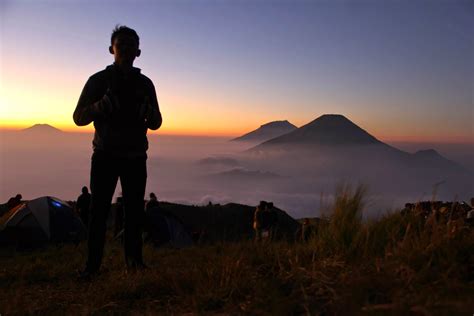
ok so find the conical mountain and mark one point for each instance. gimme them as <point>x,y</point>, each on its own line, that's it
<point>41,128</point>
<point>267,131</point>
<point>328,129</point>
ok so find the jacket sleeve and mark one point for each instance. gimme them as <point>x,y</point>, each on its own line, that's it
<point>155,119</point>
<point>84,114</point>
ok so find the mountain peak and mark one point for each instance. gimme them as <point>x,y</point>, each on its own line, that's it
<point>42,128</point>
<point>277,124</point>
<point>333,117</point>
<point>267,131</point>
<point>332,120</point>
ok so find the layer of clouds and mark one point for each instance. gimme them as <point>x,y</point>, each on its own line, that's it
<point>59,165</point>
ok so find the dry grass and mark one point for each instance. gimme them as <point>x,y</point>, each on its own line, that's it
<point>395,265</point>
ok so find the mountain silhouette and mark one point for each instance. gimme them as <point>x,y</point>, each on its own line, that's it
<point>267,131</point>
<point>42,128</point>
<point>328,129</point>
<point>333,147</point>
<point>334,134</point>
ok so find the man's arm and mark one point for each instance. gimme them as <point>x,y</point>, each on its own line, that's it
<point>83,114</point>
<point>154,119</point>
<point>91,106</point>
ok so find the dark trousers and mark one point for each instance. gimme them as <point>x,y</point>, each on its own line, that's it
<point>105,172</point>
<point>84,214</point>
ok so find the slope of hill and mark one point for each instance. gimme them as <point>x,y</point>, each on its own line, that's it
<point>430,158</point>
<point>267,131</point>
<point>226,222</point>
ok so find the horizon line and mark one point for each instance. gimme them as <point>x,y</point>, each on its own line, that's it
<point>388,139</point>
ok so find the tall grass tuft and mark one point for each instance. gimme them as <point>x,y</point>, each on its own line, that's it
<point>342,233</point>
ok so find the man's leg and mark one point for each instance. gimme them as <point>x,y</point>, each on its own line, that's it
<point>103,181</point>
<point>133,179</point>
<point>258,234</point>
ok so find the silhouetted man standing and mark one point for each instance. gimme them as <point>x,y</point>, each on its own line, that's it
<point>123,105</point>
<point>153,202</point>
<point>83,206</point>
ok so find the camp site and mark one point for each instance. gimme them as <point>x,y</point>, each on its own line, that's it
<point>204,259</point>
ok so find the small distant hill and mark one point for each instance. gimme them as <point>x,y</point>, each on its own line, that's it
<point>42,128</point>
<point>267,131</point>
<point>244,174</point>
<point>224,161</point>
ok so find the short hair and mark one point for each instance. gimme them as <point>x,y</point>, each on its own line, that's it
<point>124,30</point>
<point>152,195</point>
<point>84,190</point>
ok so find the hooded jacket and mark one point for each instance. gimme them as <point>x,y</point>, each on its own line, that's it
<point>120,131</point>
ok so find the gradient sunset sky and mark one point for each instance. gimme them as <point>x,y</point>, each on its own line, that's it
<point>402,70</point>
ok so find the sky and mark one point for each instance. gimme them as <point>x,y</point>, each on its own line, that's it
<point>402,70</point>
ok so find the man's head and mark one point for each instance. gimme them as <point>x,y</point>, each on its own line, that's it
<point>124,44</point>
<point>85,190</point>
<point>152,196</point>
<point>18,197</point>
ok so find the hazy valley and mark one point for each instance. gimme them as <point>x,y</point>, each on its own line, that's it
<point>298,171</point>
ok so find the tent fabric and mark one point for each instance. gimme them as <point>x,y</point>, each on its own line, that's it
<point>5,217</point>
<point>42,219</point>
<point>39,208</point>
<point>164,228</point>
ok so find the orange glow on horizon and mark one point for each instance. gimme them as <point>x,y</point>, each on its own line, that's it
<point>12,126</point>
<point>216,132</point>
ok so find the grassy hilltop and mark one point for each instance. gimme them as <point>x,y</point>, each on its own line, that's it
<point>395,265</point>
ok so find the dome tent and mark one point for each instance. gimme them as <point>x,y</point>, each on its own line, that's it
<point>41,220</point>
<point>164,228</point>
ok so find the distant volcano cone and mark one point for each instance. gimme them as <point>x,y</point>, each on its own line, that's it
<point>42,128</point>
<point>328,129</point>
<point>267,131</point>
